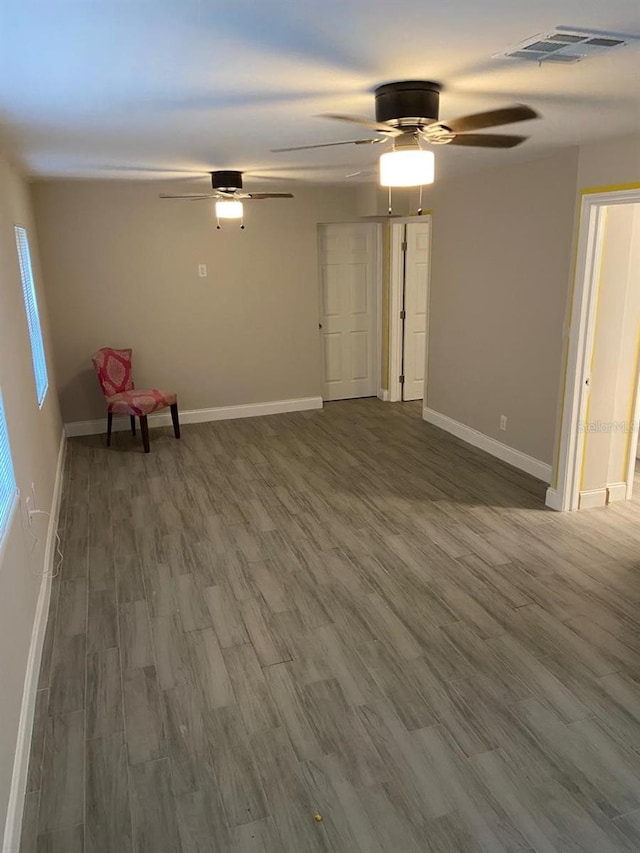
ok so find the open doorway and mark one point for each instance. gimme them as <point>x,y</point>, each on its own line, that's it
<point>598,434</point>
<point>409,308</point>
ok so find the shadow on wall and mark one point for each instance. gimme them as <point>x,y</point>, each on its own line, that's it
<point>83,385</point>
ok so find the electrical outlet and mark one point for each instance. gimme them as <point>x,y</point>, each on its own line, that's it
<point>202,270</point>
<point>503,422</point>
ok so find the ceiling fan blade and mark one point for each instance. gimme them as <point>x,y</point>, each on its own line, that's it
<point>258,196</point>
<point>327,145</point>
<point>194,197</point>
<point>492,118</point>
<point>487,140</point>
<point>263,176</point>
<point>378,126</point>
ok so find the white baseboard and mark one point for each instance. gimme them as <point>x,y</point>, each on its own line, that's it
<point>496,448</point>
<point>553,500</point>
<point>13,825</point>
<point>383,394</point>
<point>199,416</point>
<point>592,497</point>
<point>616,492</point>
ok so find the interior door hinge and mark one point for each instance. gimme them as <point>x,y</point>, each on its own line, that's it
<point>401,379</point>
<point>404,246</point>
<point>403,315</point>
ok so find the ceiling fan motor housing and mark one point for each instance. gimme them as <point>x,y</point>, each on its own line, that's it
<point>411,99</point>
<point>226,181</point>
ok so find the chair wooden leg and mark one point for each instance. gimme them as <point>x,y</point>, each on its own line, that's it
<point>176,422</point>
<point>109,425</point>
<point>133,424</point>
<point>144,429</point>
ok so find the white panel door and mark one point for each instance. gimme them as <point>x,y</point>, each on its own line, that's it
<point>416,277</point>
<point>347,260</point>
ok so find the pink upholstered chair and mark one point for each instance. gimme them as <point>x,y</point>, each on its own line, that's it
<point>113,367</point>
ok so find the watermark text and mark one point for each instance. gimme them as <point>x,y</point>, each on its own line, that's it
<point>607,426</point>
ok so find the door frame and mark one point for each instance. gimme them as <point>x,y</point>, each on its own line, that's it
<point>396,280</point>
<point>563,493</point>
<point>634,436</point>
<point>377,302</point>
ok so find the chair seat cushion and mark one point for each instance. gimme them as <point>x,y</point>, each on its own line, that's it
<point>140,402</point>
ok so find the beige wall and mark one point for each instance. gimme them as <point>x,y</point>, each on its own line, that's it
<point>34,435</point>
<point>615,353</point>
<point>122,271</point>
<point>373,200</point>
<point>610,162</point>
<point>499,279</point>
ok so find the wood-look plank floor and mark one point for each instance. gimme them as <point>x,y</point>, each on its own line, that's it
<point>346,613</point>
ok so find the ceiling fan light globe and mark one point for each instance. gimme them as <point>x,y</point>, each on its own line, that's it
<point>229,209</point>
<point>407,168</point>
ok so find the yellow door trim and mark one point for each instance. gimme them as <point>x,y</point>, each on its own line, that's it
<point>611,188</point>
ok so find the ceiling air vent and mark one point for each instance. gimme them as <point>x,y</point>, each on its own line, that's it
<point>560,47</point>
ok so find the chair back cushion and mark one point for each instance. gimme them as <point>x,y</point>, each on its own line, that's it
<point>113,367</point>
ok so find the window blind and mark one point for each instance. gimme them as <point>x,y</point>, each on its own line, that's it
<point>8,489</point>
<point>33,317</point>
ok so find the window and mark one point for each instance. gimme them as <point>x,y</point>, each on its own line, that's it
<point>33,318</point>
<point>8,488</point>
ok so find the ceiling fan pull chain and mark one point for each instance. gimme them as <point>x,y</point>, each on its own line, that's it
<point>389,201</point>
<point>420,202</point>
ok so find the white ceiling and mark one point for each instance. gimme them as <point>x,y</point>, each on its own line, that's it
<point>140,88</point>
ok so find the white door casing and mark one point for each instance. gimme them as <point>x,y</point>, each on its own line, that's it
<point>348,261</point>
<point>564,493</point>
<point>416,278</point>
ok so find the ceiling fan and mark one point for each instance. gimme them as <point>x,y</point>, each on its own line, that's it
<point>227,191</point>
<point>407,117</point>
